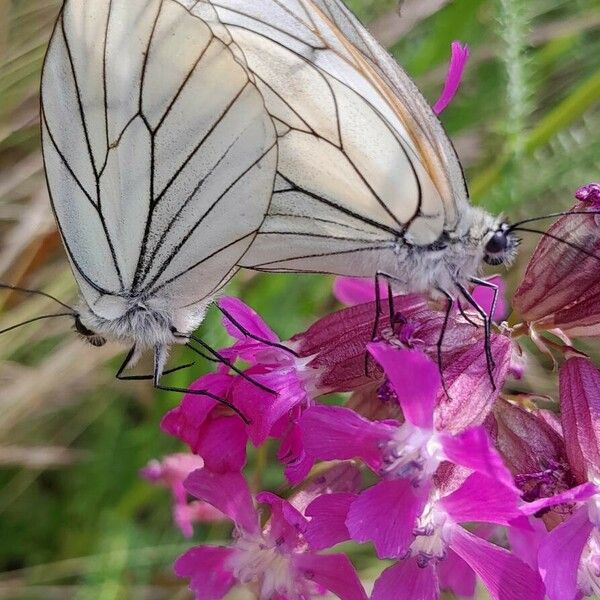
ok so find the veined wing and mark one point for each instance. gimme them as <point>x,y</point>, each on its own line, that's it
<point>159,153</point>
<point>360,165</point>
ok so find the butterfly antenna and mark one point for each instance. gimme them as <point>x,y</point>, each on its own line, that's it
<point>515,226</point>
<point>21,290</point>
<point>559,239</point>
<point>40,318</point>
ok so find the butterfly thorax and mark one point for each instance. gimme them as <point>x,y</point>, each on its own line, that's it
<point>455,258</point>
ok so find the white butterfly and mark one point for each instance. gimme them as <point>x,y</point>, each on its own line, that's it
<point>367,180</point>
<point>368,183</point>
<point>160,160</point>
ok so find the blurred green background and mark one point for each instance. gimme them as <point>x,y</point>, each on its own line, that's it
<point>75,520</point>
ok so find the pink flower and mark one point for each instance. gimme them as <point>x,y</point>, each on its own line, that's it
<point>211,430</point>
<point>569,556</point>
<point>279,369</point>
<point>460,56</point>
<point>336,346</point>
<point>405,456</point>
<point>276,561</point>
<point>171,473</point>
<point>445,555</point>
<point>439,552</point>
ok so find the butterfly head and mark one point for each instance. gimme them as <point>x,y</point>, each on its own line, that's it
<point>500,246</point>
<point>87,334</point>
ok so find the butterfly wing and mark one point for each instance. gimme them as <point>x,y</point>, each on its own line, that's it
<point>361,165</point>
<point>159,155</point>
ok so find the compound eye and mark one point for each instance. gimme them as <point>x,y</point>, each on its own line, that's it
<point>498,243</point>
<point>91,337</point>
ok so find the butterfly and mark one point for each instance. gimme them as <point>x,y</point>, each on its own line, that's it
<point>160,160</point>
<point>368,183</point>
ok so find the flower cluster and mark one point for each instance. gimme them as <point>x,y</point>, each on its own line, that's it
<point>449,472</point>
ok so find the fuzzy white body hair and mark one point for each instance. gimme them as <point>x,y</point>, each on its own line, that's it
<point>145,323</point>
<point>426,269</point>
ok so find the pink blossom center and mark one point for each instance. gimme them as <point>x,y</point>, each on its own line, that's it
<point>432,534</point>
<point>266,562</point>
<point>412,453</point>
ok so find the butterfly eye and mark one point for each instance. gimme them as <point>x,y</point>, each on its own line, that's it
<point>501,247</point>
<point>91,337</point>
<point>497,243</point>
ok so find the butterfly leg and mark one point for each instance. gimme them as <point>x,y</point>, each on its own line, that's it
<point>158,361</point>
<point>247,333</point>
<point>491,365</point>
<point>389,279</point>
<point>440,342</point>
<point>119,375</point>
<point>218,357</point>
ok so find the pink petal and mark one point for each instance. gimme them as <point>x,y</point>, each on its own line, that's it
<point>338,433</point>
<point>504,575</point>
<point>228,492</point>
<point>334,572</point>
<point>560,554</point>
<point>458,61</point>
<point>385,514</point>
<point>205,567</point>
<point>484,500</point>
<point>474,449</point>
<point>264,409</point>
<point>327,525</point>
<point>456,575</point>
<point>247,318</point>
<point>354,290</point>
<point>286,523</point>
<point>577,494</point>
<point>580,415</point>
<point>485,298</point>
<point>293,455</point>
<point>415,379</point>
<point>223,444</point>
<point>405,580</point>
<point>525,542</point>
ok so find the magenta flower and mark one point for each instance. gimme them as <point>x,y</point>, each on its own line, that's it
<point>335,348</point>
<point>275,561</point>
<point>280,370</point>
<point>212,431</point>
<point>440,553</point>
<point>405,456</point>
<point>458,61</point>
<point>171,472</point>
